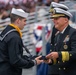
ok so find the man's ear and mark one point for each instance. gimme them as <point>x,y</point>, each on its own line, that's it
<point>17,21</point>
<point>66,20</point>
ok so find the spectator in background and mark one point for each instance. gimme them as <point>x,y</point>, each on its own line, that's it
<point>12,59</point>
<point>57,1</point>
<point>3,13</point>
<point>48,2</point>
<point>40,3</point>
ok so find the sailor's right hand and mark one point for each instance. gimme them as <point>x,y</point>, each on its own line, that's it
<point>38,60</point>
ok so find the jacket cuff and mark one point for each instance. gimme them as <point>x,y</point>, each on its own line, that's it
<point>35,62</point>
<point>60,56</point>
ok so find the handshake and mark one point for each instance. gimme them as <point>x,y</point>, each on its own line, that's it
<point>48,58</point>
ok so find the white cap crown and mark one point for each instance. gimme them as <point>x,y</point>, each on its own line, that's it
<point>58,5</point>
<point>19,12</point>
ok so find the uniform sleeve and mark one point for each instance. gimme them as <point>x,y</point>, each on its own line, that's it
<point>69,54</point>
<point>16,57</point>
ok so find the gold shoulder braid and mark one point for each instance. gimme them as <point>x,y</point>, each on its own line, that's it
<point>65,55</point>
<point>17,28</point>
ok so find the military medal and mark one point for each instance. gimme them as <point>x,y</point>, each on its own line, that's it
<point>65,46</point>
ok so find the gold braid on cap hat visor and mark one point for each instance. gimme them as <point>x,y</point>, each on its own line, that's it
<point>57,15</point>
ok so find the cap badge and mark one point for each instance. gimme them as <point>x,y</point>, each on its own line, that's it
<point>65,46</point>
<point>53,11</point>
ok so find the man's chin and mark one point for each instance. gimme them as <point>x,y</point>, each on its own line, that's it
<point>56,27</point>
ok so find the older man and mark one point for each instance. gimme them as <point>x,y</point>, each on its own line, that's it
<point>62,57</point>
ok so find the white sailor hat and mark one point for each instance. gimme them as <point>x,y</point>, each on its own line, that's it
<point>19,12</point>
<point>58,5</point>
<point>58,12</point>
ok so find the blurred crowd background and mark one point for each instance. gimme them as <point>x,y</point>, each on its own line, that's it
<point>27,5</point>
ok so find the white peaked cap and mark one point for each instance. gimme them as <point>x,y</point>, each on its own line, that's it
<point>61,11</point>
<point>19,12</point>
<point>58,5</point>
